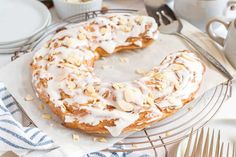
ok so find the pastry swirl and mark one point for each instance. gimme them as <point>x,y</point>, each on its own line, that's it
<point>63,77</point>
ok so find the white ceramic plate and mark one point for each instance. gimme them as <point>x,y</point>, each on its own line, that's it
<point>10,48</point>
<point>21,19</point>
<point>228,133</point>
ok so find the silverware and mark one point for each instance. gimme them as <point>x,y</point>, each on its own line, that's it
<point>205,145</point>
<point>170,24</point>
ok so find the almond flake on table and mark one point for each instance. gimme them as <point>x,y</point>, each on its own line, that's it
<point>29,97</point>
<point>41,106</point>
<point>168,133</point>
<point>46,116</point>
<point>100,139</point>
<point>75,137</point>
<point>106,66</point>
<point>124,60</point>
<point>141,71</point>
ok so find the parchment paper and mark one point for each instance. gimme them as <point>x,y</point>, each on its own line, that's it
<point>17,77</point>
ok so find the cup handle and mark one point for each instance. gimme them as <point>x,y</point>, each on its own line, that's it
<point>211,32</point>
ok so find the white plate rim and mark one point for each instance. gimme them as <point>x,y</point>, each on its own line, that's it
<point>16,45</point>
<point>47,19</point>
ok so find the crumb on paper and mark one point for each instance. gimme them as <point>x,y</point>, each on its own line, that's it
<point>99,139</point>
<point>29,97</point>
<point>41,106</point>
<point>104,10</point>
<point>140,71</point>
<point>124,60</point>
<point>190,108</point>
<point>106,66</point>
<point>75,137</point>
<point>46,116</point>
<point>168,133</point>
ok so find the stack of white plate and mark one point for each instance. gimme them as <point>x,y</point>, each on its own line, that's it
<point>21,21</point>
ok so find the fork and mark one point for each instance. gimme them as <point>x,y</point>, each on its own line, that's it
<point>201,147</point>
<point>170,24</point>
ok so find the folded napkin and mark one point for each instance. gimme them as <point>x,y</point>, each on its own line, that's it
<point>31,141</point>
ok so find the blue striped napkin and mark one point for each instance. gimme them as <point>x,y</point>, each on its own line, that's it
<point>30,141</point>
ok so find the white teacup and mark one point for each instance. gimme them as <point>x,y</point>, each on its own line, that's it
<point>229,43</point>
<point>199,12</point>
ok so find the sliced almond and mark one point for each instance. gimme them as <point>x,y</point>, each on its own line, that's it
<point>103,30</point>
<point>75,137</point>
<point>46,116</point>
<point>100,139</point>
<point>101,104</point>
<point>29,97</point>
<point>159,87</point>
<point>150,100</point>
<point>73,59</point>
<point>187,57</point>
<point>177,67</point>
<point>176,85</point>
<point>122,21</point>
<point>139,19</point>
<point>90,90</point>
<point>141,71</point>
<point>151,74</point>
<point>67,41</point>
<point>60,77</point>
<point>158,76</point>
<point>105,66</point>
<point>106,94</point>
<point>116,86</point>
<point>81,36</point>
<point>129,95</point>
<point>125,106</point>
<point>71,85</point>
<point>124,60</point>
<point>126,28</point>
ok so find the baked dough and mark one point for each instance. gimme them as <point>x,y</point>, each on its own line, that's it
<point>63,77</point>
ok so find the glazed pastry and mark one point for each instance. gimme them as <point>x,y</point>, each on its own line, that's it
<point>64,78</point>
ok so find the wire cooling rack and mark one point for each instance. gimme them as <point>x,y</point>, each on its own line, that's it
<point>166,132</point>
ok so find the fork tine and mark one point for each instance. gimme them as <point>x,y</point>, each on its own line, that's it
<point>217,145</point>
<point>199,145</point>
<point>206,145</point>
<point>233,154</point>
<point>186,154</point>
<point>222,149</point>
<point>166,16</point>
<point>211,145</point>
<point>195,145</point>
<point>227,152</point>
